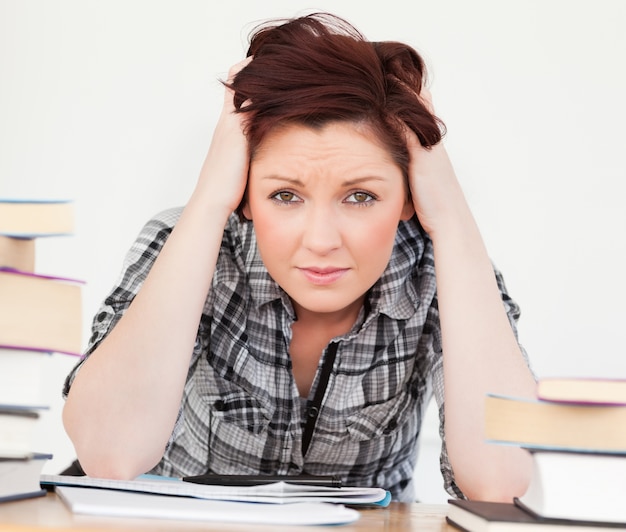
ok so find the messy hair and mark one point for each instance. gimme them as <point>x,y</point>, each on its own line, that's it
<point>318,68</point>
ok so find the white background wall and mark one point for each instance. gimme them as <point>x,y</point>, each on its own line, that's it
<point>112,103</point>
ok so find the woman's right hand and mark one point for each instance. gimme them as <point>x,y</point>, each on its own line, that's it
<point>224,174</point>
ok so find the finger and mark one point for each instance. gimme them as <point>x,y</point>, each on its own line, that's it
<point>237,67</point>
<point>232,72</point>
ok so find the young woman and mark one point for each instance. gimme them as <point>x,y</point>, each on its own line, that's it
<point>324,279</point>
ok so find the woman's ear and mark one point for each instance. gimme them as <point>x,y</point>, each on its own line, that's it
<point>245,210</point>
<point>408,210</point>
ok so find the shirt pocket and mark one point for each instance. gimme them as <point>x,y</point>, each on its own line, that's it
<point>230,402</point>
<point>381,419</point>
<point>237,425</point>
<point>237,407</point>
<point>363,444</point>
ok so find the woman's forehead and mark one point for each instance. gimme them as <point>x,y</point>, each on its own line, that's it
<point>332,139</point>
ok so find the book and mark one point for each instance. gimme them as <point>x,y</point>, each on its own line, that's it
<point>22,377</point>
<point>39,315</point>
<point>483,516</point>
<point>82,500</point>
<point>19,478</point>
<point>581,486</point>
<point>537,424</point>
<point>275,493</point>
<point>40,312</point>
<point>36,218</point>
<point>17,253</point>
<point>17,430</point>
<point>582,390</point>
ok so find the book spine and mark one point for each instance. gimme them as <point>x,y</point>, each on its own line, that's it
<point>13,271</point>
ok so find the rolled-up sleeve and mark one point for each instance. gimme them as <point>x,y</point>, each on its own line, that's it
<point>137,263</point>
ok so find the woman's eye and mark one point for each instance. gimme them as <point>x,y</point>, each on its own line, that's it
<point>360,197</point>
<point>285,196</point>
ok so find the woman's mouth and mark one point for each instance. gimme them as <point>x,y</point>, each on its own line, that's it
<point>323,276</point>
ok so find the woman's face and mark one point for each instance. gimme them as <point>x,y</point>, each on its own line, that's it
<point>325,204</point>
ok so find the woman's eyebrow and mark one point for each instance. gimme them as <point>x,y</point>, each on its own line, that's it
<point>274,177</point>
<point>363,179</point>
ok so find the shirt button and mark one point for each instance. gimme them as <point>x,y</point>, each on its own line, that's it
<point>393,424</point>
<point>313,412</point>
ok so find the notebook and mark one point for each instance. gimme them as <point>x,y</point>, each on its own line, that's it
<point>105,502</point>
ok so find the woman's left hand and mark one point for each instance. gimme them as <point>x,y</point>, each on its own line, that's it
<point>437,195</point>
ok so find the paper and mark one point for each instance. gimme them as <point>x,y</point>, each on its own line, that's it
<point>278,493</point>
<point>117,503</point>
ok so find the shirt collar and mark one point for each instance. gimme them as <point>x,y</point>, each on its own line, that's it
<point>395,293</point>
<point>263,289</point>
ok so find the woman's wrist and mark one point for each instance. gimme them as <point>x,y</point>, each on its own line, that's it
<point>208,204</point>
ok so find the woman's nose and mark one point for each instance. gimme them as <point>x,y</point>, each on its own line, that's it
<point>321,232</point>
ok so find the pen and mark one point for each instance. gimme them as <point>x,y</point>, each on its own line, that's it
<point>330,481</point>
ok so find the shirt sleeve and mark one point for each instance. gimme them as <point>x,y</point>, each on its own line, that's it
<point>137,264</point>
<point>513,313</point>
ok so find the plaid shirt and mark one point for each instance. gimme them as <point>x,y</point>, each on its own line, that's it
<point>241,411</point>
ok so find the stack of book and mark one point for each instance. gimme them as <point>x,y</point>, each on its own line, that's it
<point>575,430</point>
<point>39,315</point>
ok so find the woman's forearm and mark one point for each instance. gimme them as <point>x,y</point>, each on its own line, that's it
<point>480,352</point>
<point>481,355</point>
<point>124,401</point>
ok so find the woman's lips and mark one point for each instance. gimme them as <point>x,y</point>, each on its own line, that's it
<point>323,276</point>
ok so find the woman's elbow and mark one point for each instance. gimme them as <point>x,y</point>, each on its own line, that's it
<point>494,492</point>
<point>507,477</point>
<point>105,457</point>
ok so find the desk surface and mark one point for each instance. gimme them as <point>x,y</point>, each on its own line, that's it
<point>50,513</point>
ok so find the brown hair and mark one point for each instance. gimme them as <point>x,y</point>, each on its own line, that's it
<point>318,68</point>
